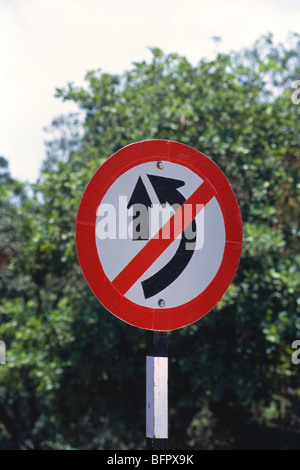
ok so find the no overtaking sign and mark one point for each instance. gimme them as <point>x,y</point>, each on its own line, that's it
<point>159,234</point>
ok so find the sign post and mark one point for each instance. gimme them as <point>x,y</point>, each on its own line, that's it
<point>157,390</point>
<point>2,352</point>
<point>159,239</point>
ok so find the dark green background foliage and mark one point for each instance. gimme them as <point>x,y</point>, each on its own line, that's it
<point>75,375</point>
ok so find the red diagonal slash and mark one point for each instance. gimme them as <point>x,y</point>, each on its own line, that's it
<point>158,244</point>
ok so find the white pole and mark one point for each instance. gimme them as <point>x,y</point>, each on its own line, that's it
<point>2,353</point>
<point>157,390</point>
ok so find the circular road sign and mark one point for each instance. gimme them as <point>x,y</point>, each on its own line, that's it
<point>159,234</point>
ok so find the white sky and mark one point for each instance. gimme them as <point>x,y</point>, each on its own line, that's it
<point>44,44</point>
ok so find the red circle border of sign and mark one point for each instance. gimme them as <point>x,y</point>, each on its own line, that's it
<point>128,157</point>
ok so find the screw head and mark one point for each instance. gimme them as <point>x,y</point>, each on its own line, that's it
<point>161,303</point>
<point>160,165</point>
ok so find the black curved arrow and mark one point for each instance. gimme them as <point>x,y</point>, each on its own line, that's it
<point>140,197</point>
<point>166,190</point>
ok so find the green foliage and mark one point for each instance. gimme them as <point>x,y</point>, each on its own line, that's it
<point>75,374</point>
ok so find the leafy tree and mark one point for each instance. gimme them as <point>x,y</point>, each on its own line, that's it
<point>75,374</point>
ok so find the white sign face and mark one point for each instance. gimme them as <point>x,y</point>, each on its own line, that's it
<point>136,206</point>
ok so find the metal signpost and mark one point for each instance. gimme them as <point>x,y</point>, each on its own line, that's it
<point>157,390</point>
<point>2,352</point>
<point>159,238</point>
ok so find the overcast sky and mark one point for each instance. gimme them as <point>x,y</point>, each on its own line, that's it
<point>44,44</point>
